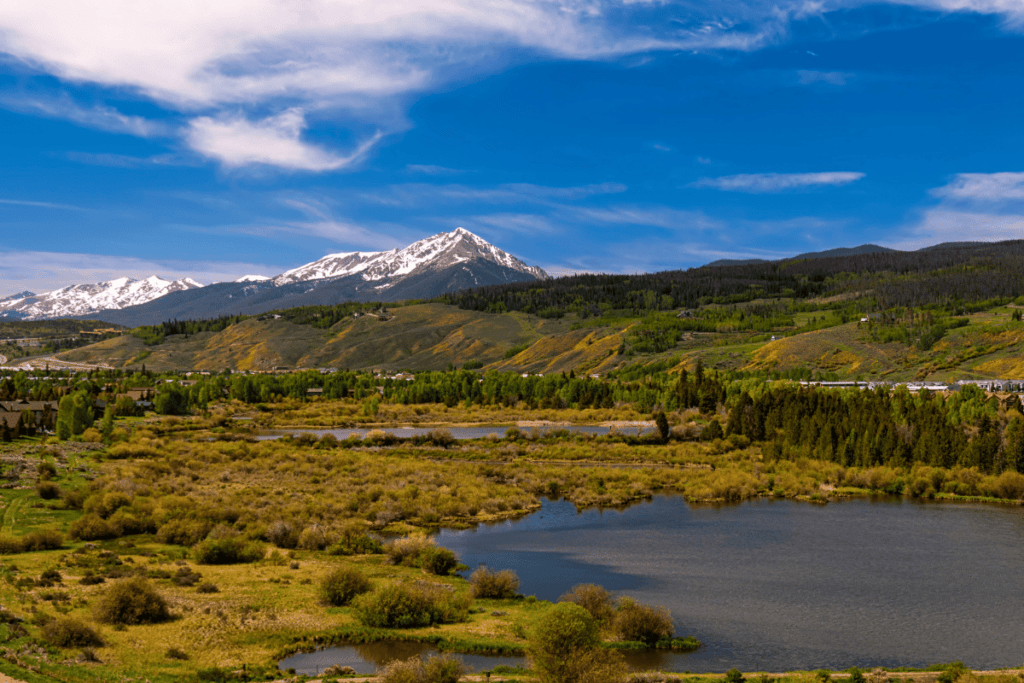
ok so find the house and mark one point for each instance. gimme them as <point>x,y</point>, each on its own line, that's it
<point>140,393</point>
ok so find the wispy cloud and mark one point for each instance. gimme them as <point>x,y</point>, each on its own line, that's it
<point>762,183</point>
<point>429,169</point>
<point>227,64</point>
<point>41,205</point>
<point>944,224</point>
<point>497,224</point>
<point>41,271</point>
<point>829,77</point>
<point>318,220</point>
<point>420,194</point>
<point>275,141</point>
<point>97,116</point>
<point>983,187</point>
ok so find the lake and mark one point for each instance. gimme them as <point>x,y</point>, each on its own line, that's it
<point>784,585</point>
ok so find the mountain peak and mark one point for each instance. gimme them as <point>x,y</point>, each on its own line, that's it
<point>431,253</point>
<point>84,299</point>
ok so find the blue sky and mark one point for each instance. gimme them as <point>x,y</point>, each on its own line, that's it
<point>251,136</point>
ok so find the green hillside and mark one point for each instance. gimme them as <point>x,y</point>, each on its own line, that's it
<point>433,336</point>
<point>946,312</point>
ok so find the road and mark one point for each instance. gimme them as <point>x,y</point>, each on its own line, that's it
<point>41,362</point>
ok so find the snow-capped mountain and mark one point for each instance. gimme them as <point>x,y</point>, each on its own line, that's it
<point>84,299</point>
<point>434,253</point>
<point>445,262</point>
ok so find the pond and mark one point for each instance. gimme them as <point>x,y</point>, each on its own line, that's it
<point>782,585</point>
<point>460,433</point>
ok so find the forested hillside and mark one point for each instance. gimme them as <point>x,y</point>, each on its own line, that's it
<point>951,276</point>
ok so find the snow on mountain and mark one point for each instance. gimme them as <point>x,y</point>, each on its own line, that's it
<point>443,262</point>
<point>332,265</point>
<point>437,252</point>
<point>84,299</point>
<point>16,297</point>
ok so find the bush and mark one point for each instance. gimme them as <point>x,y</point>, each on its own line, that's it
<point>186,577</point>
<point>734,675</point>
<point>593,598</point>
<point>176,653</point>
<point>643,623</point>
<point>438,561</point>
<point>496,585</point>
<point>440,437</point>
<point>420,551</point>
<point>131,601</point>
<point>404,606</point>
<point>184,532</point>
<point>406,550</point>
<point>70,632</point>
<point>50,577</point>
<point>1010,485</point>
<point>46,471</point>
<point>46,539</point>
<point>282,534</point>
<point>73,500</point>
<point>234,550</point>
<point>355,541</point>
<point>9,545</point>
<point>436,669</point>
<point>47,490</point>
<point>92,528</point>
<point>207,588</point>
<point>341,585</point>
<point>564,648</point>
<point>313,538</point>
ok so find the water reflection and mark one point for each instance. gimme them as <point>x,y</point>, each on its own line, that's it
<point>369,657</point>
<point>781,585</point>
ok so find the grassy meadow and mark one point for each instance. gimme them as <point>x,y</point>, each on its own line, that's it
<point>237,535</point>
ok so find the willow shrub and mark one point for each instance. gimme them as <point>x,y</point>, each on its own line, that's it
<point>496,585</point>
<point>435,669</point>
<point>597,600</point>
<point>131,601</point>
<point>234,550</point>
<point>71,632</point>
<point>420,551</point>
<point>407,606</point>
<point>564,646</point>
<point>642,623</point>
<point>341,585</point>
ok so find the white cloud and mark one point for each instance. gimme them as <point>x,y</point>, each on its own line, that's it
<point>212,60</point>
<point>43,271</point>
<point>275,141</point>
<point>943,224</point>
<point>776,182</point>
<point>98,116</point>
<point>196,53</point>
<point>983,187</point>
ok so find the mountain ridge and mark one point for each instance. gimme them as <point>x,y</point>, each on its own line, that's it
<point>422,270</point>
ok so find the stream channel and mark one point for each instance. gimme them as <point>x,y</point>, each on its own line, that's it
<point>771,585</point>
<point>459,433</point>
